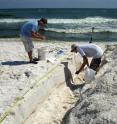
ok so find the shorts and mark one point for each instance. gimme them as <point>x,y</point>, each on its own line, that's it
<point>27,41</point>
<point>95,63</point>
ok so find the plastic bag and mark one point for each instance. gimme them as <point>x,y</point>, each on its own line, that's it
<point>89,75</point>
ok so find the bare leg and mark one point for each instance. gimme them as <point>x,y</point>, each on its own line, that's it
<point>31,58</point>
<point>30,55</point>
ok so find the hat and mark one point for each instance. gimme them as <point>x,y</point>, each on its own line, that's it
<point>73,46</point>
<point>44,20</point>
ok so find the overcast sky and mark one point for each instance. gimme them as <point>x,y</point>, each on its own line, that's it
<point>58,4</point>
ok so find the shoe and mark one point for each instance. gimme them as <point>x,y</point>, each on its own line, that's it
<point>33,62</point>
<point>35,59</point>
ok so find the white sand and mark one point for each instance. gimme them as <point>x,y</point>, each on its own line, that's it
<point>54,107</point>
<point>16,77</point>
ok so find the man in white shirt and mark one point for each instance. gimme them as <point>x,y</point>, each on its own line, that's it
<point>88,50</point>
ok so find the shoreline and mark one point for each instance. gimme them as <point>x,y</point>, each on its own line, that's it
<point>58,41</point>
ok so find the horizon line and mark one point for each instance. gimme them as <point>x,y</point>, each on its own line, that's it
<point>59,8</point>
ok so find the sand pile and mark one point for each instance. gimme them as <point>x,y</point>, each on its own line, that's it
<point>98,101</point>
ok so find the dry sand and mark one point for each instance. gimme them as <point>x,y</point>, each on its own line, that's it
<point>54,107</point>
<point>16,77</point>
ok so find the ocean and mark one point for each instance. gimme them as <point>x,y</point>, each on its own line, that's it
<point>63,24</point>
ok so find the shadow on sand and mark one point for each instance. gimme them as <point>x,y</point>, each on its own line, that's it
<point>14,63</point>
<point>69,78</point>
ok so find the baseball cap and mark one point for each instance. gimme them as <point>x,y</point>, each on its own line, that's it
<point>44,20</point>
<point>73,46</point>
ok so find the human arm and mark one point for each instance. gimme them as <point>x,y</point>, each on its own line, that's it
<point>85,62</point>
<point>37,35</point>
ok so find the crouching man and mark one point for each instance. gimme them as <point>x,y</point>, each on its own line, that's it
<point>88,50</point>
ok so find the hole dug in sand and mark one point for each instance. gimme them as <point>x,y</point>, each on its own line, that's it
<point>53,109</point>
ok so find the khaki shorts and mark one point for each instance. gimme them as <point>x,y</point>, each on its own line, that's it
<point>27,41</point>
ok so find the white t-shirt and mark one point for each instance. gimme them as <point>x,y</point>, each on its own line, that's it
<point>90,50</point>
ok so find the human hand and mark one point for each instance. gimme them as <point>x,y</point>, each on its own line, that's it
<point>77,72</point>
<point>43,37</point>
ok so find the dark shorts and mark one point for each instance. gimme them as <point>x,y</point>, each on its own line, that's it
<point>95,63</point>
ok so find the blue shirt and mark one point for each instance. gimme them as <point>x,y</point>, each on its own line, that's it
<point>28,27</point>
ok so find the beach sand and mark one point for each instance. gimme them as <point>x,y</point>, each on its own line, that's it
<point>54,107</point>
<point>17,75</point>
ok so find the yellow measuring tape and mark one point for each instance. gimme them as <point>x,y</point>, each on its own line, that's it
<point>37,81</point>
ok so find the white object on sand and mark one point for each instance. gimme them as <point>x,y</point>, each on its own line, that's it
<point>89,75</point>
<point>42,53</point>
<point>51,59</point>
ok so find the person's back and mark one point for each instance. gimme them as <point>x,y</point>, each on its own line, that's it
<point>28,27</point>
<point>88,50</point>
<point>91,50</point>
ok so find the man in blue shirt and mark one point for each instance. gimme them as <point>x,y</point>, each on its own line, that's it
<point>28,31</point>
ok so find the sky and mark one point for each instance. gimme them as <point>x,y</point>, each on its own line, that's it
<point>58,4</point>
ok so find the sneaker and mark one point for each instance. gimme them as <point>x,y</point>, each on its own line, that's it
<point>33,62</point>
<point>35,59</point>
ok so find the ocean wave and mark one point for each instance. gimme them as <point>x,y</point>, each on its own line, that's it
<point>73,26</point>
<point>12,24</point>
<point>64,21</point>
<point>14,20</point>
<point>79,31</point>
<point>91,20</point>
